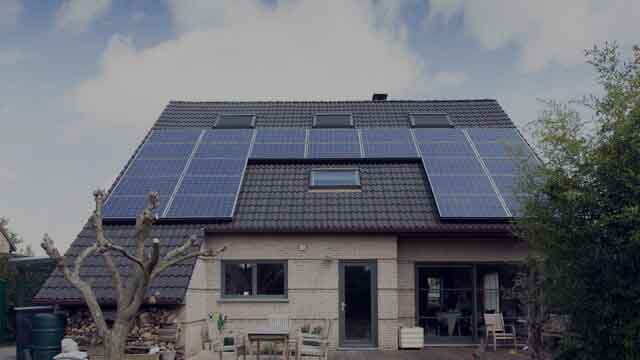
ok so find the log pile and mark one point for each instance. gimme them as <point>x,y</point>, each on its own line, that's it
<point>152,327</point>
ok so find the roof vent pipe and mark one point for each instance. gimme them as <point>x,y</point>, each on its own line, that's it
<point>379,97</point>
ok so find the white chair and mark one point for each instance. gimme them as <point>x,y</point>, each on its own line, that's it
<point>495,327</point>
<point>314,345</point>
<point>281,322</point>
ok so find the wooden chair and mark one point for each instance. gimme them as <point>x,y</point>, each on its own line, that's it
<point>314,345</point>
<point>495,327</point>
<point>282,322</point>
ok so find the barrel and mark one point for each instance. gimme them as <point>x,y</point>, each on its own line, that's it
<point>47,331</point>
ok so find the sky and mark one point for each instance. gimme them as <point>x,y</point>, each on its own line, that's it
<point>81,81</point>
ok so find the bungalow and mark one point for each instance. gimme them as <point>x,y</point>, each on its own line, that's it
<point>371,214</point>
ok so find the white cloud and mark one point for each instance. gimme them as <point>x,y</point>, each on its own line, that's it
<point>10,56</point>
<point>545,31</point>
<point>76,15</point>
<point>243,50</point>
<point>11,9</point>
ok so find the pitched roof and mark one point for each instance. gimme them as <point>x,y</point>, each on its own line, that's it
<point>483,112</point>
<point>274,197</point>
<point>168,288</point>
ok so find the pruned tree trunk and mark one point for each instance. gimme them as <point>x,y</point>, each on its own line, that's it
<point>144,268</point>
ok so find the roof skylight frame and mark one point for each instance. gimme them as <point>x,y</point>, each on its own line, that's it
<point>350,124</point>
<point>351,186</point>
<point>251,125</point>
<point>431,113</point>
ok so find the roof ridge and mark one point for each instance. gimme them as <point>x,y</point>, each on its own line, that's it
<point>325,101</point>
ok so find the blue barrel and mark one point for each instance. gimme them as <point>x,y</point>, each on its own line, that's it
<point>47,331</point>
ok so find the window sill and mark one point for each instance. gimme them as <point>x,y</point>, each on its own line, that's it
<point>252,300</point>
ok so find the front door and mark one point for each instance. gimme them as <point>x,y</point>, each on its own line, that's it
<point>358,303</point>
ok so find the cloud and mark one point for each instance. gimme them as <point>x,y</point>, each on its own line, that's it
<point>10,56</point>
<point>11,10</point>
<point>243,50</point>
<point>76,15</point>
<point>545,31</point>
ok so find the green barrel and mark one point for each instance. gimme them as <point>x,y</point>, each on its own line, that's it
<point>47,331</point>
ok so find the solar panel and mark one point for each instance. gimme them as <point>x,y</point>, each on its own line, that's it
<point>200,206</point>
<point>333,136</point>
<point>386,135</point>
<point>234,136</point>
<point>333,151</point>
<point>209,185</point>
<point>333,120</point>
<point>278,151</point>
<point>460,185</point>
<point>212,180</point>
<point>156,167</point>
<point>236,121</point>
<point>144,185</point>
<point>280,135</point>
<point>165,151</point>
<point>507,157</point>
<point>128,207</point>
<point>390,150</point>
<point>227,151</point>
<point>174,136</point>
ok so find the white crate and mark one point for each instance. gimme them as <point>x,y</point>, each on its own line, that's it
<point>411,337</point>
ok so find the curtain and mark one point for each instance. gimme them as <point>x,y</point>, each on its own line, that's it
<point>491,292</point>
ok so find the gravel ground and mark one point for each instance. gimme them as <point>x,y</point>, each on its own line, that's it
<point>7,352</point>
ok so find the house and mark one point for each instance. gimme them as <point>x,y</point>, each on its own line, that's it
<point>373,214</point>
<point>6,246</point>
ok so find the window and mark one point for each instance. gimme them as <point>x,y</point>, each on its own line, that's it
<point>335,179</point>
<point>254,278</point>
<point>236,121</point>
<point>491,293</point>
<point>430,120</point>
<point>333,121</point>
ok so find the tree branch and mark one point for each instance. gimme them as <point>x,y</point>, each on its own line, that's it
<point>102,241</point>
<point>74,278</point>
<point>144,222</point>
<point>169,262</point>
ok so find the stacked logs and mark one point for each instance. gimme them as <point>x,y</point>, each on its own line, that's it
<point>152,327</point>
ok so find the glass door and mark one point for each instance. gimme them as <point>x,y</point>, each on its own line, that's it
<point>358,304</point>
<point>445,300</point>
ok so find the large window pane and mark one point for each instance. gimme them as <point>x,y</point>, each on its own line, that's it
<point>237,279</point>
<point>271,279</point>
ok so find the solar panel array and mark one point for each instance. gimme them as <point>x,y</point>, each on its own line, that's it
<point>473,173</point>
<point>506,156</point>
<point>458,180</point>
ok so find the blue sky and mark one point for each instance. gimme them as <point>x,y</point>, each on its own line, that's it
<point>82,80</point>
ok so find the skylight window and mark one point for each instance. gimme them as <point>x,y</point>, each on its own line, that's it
<point>431,120</point>
<point>341,120</point>
<point>236,121</point>
<point>335,179</point>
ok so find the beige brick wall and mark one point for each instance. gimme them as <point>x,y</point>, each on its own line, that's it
<point>446,250</point>
<point>312,282</point>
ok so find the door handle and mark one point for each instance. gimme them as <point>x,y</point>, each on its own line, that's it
<point>343,306</point>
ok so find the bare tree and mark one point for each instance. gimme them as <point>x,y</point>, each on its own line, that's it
<point>144,268</point>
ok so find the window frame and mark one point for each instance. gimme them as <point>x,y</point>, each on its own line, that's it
<point>313,185</point>
<point>252,124</point>
<point>433,126</point>
<point>317,125</point>
<point>254,279</point>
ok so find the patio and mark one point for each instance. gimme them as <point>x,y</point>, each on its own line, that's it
<point>443,353</point>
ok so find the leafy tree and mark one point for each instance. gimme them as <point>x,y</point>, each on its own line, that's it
<point>17,240</point>
<point>583,213</point>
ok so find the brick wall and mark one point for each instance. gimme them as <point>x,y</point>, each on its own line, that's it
<point>312,282</point>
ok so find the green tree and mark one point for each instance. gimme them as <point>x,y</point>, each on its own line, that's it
<point>583,213</point>
<point>17,240</point>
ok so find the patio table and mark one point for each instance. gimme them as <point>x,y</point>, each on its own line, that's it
<point>274,335</point>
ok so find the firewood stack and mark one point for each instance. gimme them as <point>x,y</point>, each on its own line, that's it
<point>152,327</point>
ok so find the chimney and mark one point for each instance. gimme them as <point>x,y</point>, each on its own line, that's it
<point>379,97</point>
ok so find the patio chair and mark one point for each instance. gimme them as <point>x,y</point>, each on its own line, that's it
<point>216,343</point>
<point>495,327</point>
<point>314,345</point>
<point>281,322</point>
